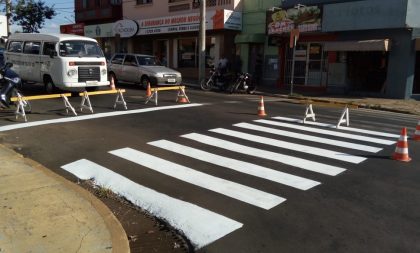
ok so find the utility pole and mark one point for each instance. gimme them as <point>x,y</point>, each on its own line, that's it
<point>202,43</point>
<point>8,13</point>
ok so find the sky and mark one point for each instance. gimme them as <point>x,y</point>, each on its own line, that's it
<point>65,15</point>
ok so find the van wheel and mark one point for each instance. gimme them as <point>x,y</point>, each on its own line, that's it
<point>50,87</point>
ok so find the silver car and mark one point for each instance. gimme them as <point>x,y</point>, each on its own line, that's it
<point>141,69</point>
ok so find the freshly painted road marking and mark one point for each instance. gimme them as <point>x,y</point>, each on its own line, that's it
<point>311,138</point>
<point>200,225</point>
<point>234,190</point>
<point>326,132</point>
<point>237,165</point>
<point>352,129</point>
<point>292,146</point>
<point>285,159</point>
<point>92,116</point>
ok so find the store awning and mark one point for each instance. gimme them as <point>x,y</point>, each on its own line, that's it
<point>360,45</point>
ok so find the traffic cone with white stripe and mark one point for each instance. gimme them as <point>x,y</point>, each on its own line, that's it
<point>261,110</point>
<point>112,83</point>
<point>148,90</point>
<point>401,150</point>
<point>416,136</point>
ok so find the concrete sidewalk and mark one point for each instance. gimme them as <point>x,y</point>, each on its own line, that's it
<point>43,212</point>
<point>409,106</point>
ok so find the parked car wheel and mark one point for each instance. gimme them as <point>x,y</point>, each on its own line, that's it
<point>144,81</point>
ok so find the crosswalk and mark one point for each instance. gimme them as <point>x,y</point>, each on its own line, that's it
<point>269,140</point>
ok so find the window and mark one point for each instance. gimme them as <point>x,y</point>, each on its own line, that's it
<point>179,7</point>
<point>15,46</point>
<point>85,4</point>
<point>139,2</point>
<point>147,60</point>
<point>130,60</point>
<point>48,48</point>
<point>118,59</point>
<point>31,47</point>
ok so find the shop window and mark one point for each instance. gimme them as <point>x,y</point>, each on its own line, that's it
<point>140,2</point>
<point>179,7</point>
<point>188,52</point>
<point>309,65</point>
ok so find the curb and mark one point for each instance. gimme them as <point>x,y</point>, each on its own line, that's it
<point>118,236</point>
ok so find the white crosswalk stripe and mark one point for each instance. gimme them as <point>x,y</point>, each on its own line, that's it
<point>285,159</point>
<point>237,165</point>
<point>351,129</point>
<point>311,138</point>
<point>234,190</point>
<point>326,132</point>
<point>200,225</point>
<point>292,146</point>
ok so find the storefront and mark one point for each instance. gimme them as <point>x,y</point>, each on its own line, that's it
<point>304,63</point>
<point>104,34</point>
<point>174,39</point>
<point>368,47</point>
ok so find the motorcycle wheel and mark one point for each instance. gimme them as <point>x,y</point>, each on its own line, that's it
<point>234,87</point>
<point>206,84</point>
<point>251,89</point>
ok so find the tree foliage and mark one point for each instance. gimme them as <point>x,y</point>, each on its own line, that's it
<point>31,15</point>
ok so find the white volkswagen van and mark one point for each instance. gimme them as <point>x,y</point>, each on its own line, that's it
<point>64,61</point>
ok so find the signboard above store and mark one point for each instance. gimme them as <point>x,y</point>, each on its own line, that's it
<point>99,31</point>
<point>126,28</point>
<point>305,19</point>
<point>215,19</point>
<point>77,29</point>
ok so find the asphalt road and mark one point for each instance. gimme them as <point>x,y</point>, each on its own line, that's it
<point>254,187</point>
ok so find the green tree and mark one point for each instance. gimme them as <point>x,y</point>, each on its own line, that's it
<point>31,15</point>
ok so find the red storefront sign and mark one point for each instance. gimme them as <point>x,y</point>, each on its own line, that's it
<point>77,29</point>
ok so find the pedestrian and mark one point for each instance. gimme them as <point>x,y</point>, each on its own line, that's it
<point>223,65</point>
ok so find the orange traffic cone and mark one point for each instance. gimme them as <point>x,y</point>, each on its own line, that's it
<point>148,90</point>
<point>112,84</point>
<point>416,136</point>
<point>401,150</point>
<point>261,111</point>
<point>182,99</point>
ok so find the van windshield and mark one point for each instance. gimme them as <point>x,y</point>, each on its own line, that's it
<point>80,48</point>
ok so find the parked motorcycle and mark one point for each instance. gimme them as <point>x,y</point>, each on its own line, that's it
<point>9,82</point>
<point>243,84</point>
<point>216,80</point>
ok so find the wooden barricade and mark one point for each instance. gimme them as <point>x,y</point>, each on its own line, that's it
<point>22,101</point>
<point>181,96</point>
<point>86,104</point>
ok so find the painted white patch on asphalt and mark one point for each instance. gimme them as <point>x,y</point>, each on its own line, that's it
<point>285,159</point>
<point>234,190</point>
<point>311,138</point>
<point>326,132</point>
<point>237,165</point>
<point>292,146</point>
<point>352,129</point>
<point>93,116</point>
<point>199,225</point>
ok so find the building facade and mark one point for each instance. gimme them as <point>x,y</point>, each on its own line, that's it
<point>259,57</point>
<point>366,47</point>
<point>169,30</point>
